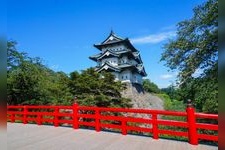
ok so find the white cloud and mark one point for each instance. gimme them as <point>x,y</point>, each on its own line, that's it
<point>171,27</point>
<point>166,76</point>
<point>154,38</point>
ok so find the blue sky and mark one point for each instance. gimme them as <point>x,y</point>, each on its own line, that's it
<point>62,32</point>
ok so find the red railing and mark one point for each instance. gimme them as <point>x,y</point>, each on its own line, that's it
<point>123,119</point>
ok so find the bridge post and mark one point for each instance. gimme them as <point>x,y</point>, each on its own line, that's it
<point>192,129</point>
<point>124,126</point>
<point>75,114</point>
<point>39,117</point>
<point>155,126</point>
<point>56,116</point>
<point>12,117</point>
<point>97,119</point>
<point>25,111</point>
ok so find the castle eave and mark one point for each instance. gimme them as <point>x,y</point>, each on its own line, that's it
<point>108,66</point>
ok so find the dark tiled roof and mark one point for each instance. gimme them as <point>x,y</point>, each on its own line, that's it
<point>114,68</point>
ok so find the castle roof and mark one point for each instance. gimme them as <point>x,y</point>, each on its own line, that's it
<point>139,68</point>
<point>114,39</point>
<point>107,66</point>
<point>105,54</point>
<point>109,53</point>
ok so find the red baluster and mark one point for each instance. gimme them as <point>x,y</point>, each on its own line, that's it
<point>192,130</point>
<point>75,118</point>
<point>124,126</point>
<point>39,117</point>
<point>97,119</point>
<point>155,126</point>
<point>56,116</point>
<point>25,111</point>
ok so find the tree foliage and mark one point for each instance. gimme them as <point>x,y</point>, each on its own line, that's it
<point>172,92</point>
<point>196,49</point>
<point>95,89</point>
<point>196,45</point>
<point>13,56</point>
<point>150,86</point>
<point>31,82</point>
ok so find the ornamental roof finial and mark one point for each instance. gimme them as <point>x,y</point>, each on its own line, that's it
<point>111,31</point>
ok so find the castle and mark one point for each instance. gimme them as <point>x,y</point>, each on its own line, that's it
<point>121,58</point>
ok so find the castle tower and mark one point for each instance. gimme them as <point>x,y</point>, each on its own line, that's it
<point>119,57</point>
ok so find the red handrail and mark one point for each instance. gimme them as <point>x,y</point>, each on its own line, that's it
<point>100,119</point>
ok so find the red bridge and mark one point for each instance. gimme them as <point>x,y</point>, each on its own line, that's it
<point>122,119</point>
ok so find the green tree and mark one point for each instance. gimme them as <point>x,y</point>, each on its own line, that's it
<point>31,82</point>
<point>150,86</point>
<point>95,89</point>
<point>196,48</point>
<point>13,56</point>
<point>173,92</point>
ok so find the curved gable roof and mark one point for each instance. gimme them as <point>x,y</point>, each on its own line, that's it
<point>107,53</point>
<point>107,66</point>
<point>112,38</point>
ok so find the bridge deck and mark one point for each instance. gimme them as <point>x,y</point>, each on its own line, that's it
<point>31,137</point>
